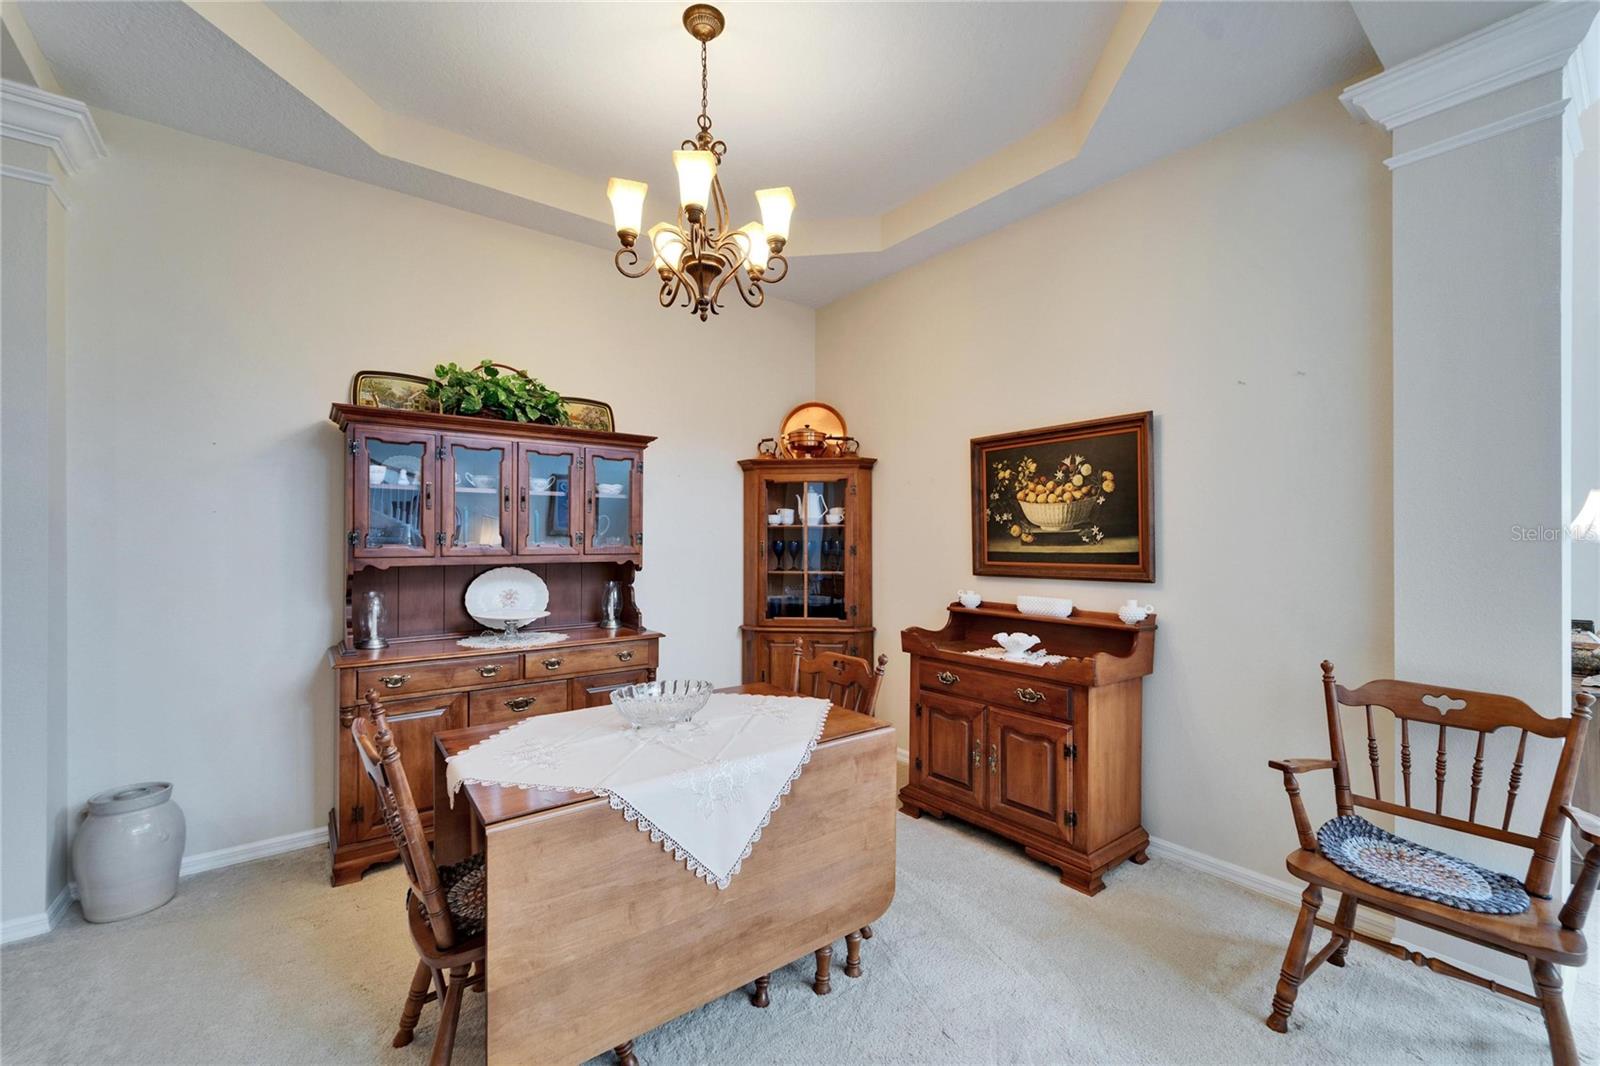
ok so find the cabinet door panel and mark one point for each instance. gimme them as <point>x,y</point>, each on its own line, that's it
<point>476,479</point>
<point>392,487</point>
<point>775,654</point>
<point>951,748</point>
<point>413,723</point>
<point>550,495</point>
<point>615,504</point>
<point>1030,774</point>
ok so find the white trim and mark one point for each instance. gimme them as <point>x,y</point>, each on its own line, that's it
<point>1367,921</point>
<point>31,925</point>
<point>36,177</point>
<point>1553,109</point>
<point>59,123</point>
<point>1538,41</point>
<point>260,849</point>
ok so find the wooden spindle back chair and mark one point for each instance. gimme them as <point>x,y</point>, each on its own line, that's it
<point>448,944</point>
<point>1428,715</point>
<point>844,680</point>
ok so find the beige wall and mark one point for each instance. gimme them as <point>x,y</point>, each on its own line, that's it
<point>1240,290</point>
<point>222,300</point>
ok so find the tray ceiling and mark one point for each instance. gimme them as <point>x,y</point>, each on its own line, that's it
<point>904,128</point>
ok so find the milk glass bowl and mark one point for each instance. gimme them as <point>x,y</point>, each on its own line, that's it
<point>661,704</point>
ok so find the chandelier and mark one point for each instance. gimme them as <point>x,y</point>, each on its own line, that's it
<point>700,255</point>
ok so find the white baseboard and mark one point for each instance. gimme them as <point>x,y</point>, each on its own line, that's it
<point>1368,922</point>
<point>1283,891</point>
<point>31,925</point>
<point>260,849</point>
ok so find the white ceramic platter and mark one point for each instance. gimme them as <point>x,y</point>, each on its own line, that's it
<point>507,594</point>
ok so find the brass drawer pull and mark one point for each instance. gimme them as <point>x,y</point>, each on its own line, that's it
<point>1028,695</point>
<point>520,703</point>
<point>489,671</point>
<point>624,656</point>
<point>977,754</point>
<point>994,758</point>
<point>394,680</point>
<point>552,664</point>
<point>947,678</point>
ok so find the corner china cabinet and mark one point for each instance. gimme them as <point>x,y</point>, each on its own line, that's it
<point>1045,754</point>
<point>807,575</point>
<point>431,502</point>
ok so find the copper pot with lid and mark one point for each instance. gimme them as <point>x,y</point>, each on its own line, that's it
<point>805,440</point>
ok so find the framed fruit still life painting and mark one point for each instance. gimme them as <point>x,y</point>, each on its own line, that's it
<point>1067,501</point>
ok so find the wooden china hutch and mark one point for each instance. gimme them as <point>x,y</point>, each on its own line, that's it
<point>808,578</point>
<point>1046,755</point>
<point>431,502</point>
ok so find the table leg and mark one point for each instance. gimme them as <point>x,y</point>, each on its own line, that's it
<point>852,955</point>
<point>824,982</point>
<point>452,826</point>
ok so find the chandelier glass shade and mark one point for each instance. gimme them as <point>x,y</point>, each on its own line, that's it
<point>701,254</point>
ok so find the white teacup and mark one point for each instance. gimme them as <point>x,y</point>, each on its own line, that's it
<point>774,519</point>
<point>787,516</point>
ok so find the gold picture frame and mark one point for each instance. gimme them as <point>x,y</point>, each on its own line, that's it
<point>589,414</point>
<point>396,392</point>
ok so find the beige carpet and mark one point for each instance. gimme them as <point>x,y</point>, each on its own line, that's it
<point>983,958</point>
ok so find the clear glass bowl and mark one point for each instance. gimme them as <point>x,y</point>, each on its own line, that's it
<point>657,704</point>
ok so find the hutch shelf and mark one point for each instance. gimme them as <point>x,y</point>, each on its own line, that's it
<point>1046,756</point>
<point>431,502</point>
<point>809,579</point>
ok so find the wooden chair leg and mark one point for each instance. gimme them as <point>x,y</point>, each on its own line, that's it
<point>625,1055</point>
<point>866,932</point>
<point>1294,960</point>
<point>444,1041</point>
<point>415,998</point>
<point>824,982</point>
<point>761,999</point>
<point>480,971</point>
<point>1344,920</point>
<point>1547,986</point>
<point>852,955</point>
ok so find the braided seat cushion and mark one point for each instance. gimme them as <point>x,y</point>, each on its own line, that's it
<point>1380,858</point>
<point>465,887</point>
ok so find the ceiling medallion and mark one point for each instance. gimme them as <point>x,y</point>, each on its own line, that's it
<point>697,257</point>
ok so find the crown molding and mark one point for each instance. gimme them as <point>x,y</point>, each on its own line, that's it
<point>35,177</point>
<point>59,123</point>
<point>1543,39</point>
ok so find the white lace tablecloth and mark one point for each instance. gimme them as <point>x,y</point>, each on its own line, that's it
<point>703,790</point>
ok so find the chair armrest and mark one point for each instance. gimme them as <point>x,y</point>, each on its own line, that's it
<point>1587,825</point>
<point>1576,912</point>
<point>1289,768</point>
<point>1300,766</point>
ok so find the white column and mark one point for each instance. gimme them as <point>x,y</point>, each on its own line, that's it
<point>1484,137</point>
<point>44,138</point>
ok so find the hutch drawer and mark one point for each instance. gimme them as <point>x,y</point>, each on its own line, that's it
<point>405,679</point>
<point>596,691</point>
<point>1000,690</point>
<point>516,702</point>
<point>558,662</point>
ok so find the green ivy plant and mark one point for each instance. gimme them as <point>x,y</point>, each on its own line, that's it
<point>488,392</point>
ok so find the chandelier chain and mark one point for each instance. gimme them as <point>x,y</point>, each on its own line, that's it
<point>705,89</point>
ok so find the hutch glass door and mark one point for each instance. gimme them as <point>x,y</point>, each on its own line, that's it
<point>392,495</point>
<point>551,479</point>
<point>807,550</point>
<point>477,496</point>
<point>614,505</point>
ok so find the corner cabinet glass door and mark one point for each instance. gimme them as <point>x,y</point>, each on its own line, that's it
<point>807,559</point>
<point>392,507</point>
<point>477,475</point>
<point>550,495</point>
<point>615,507</point>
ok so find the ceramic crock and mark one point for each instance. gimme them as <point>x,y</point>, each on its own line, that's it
<point>125,855</point>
